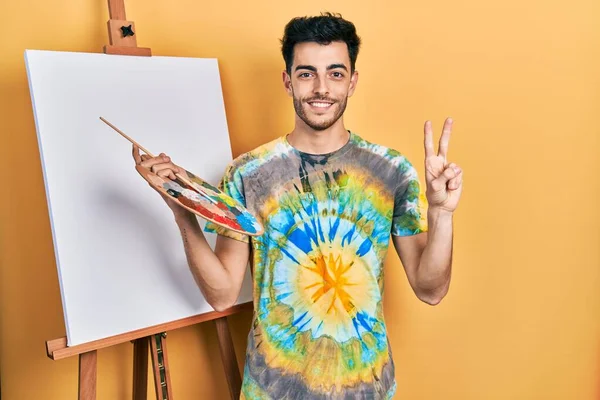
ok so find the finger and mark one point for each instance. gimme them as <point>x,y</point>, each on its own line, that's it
<point>156,168</point>
<point>136,154</point>
<point>429,150</point>
<point>151,161</point>
<point>160,166</point>
<point>455,167</point>
<point>445,138</point>
<point>455,182</point>
<point>166,173</point>
<point>441,181</point>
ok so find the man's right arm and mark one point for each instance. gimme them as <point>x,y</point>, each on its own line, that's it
<point>219,274</point>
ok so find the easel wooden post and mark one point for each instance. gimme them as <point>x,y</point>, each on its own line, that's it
<point>140,368</point>
<point>124,42</point>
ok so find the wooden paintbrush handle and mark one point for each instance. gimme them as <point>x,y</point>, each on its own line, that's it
<point>127,137</point>
<point>181,177</point>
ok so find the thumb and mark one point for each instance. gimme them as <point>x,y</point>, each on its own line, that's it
<point>441,181</point>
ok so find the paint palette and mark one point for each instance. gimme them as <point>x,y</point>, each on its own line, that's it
<point>206,201</point>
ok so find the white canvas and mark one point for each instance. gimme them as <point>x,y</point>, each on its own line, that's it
<point>119,254</point>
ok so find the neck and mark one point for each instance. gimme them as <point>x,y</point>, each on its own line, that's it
<point>308,140</point>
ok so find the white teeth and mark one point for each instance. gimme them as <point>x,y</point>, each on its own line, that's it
<point>323,105</point>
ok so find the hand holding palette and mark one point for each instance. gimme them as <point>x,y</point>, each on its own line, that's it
<point>200,197</point>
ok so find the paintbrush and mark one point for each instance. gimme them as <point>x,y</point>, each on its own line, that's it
<point>182,178</point>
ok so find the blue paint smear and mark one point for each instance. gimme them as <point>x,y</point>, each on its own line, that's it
<point>333,229</point>
<point>284,338</point>
<point>283,296</point>
<point>287,253</point>
<point>299,318</point>
<point>368,355</point>
<point>348,236</point>
<point>356,328</point>
<point>246,221</point>
<point>312,229</point>
<point>301,328</point>
<point>317,331</point>
<point>301,240</point>
<point>364,247</point>
<point>363,320</point>
<point>320,230</point>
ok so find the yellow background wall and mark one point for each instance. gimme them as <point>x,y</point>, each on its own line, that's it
<point>520,78</point>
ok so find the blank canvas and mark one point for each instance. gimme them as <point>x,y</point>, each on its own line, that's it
<point>119,254</point>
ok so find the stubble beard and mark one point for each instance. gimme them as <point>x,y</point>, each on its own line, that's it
<point>319,125</point>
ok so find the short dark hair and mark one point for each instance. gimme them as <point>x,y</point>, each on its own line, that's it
<point>323,29</point>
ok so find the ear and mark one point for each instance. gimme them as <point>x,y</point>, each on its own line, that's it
<point>353,83</point>
<point>287,83</point>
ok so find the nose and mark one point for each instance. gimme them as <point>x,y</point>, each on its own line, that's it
<point>320,86</point>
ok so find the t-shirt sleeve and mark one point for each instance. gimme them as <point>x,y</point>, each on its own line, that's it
<point>410,204</point>
<point>232,185</point>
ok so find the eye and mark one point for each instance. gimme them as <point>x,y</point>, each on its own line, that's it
<point>337,74</point>
<point>305,75</point>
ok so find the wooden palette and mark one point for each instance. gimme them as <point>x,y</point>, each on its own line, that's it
<point>206,201</point>
<point>199,197</point>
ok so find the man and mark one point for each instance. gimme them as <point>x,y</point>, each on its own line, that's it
<point>329,201</point>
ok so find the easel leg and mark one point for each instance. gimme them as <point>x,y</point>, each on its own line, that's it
<point>87,375</point>
<point>140,368</point>
<point>232,372</point>
<point>160,366</point>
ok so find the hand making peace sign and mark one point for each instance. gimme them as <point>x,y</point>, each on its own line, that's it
<point>444,180</point>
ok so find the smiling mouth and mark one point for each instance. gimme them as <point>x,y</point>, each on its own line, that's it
<point>320,104</point>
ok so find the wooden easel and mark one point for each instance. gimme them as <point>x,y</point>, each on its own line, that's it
<point>57,349</point>
<point>123,41</point>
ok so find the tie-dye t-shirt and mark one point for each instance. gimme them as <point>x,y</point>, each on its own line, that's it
<point>318,328</point>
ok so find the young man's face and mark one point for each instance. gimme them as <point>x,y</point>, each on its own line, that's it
<point>320,82</point>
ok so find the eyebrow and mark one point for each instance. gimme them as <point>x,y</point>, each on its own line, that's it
<point>314,69</point>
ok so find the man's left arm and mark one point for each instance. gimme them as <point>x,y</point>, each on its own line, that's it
<point>427,256</point>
